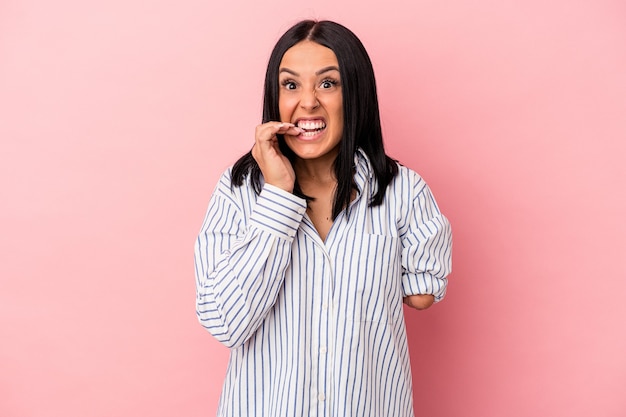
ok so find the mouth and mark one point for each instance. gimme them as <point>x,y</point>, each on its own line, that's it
<point>311,127</point>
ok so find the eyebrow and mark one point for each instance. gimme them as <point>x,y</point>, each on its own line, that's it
<point>322,71</point>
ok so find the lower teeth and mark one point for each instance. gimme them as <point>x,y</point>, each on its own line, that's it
<point>311,132</point>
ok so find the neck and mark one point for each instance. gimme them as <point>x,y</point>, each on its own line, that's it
<point>320,170</point>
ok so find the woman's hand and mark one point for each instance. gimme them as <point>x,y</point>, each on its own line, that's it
<point>275,166</point>
<point>419,301</point>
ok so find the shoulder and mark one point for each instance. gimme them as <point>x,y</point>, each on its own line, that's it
<point>237,194</point>
<point>224,182</point>
<point>407,181</point>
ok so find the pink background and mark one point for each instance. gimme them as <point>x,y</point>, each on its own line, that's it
<point>117,117</point>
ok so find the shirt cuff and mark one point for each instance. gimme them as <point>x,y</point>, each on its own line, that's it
<point>413,284</point>
<point>278,211</point>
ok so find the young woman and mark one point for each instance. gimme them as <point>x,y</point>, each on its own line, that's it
<point>314,239</point>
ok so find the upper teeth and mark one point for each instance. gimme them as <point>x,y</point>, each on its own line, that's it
<point>311,124</point>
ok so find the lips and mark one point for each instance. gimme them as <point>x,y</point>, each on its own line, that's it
<point>311,127</point>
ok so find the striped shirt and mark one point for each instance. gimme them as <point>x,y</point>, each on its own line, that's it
<point>316,328</point>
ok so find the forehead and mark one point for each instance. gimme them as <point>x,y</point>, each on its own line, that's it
<point>308,55</point>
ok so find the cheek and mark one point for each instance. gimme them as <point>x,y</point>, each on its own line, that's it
<point>286,106</point>
<point>338,114</point>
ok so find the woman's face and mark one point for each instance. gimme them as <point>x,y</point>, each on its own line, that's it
<point>310,97</point>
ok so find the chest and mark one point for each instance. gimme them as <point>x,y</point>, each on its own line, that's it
<point>356,269</point>
<point>319,212</point>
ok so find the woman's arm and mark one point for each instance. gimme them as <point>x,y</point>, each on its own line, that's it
<point>241,263</point>
<point>419,301</point>
<point>426,251</point>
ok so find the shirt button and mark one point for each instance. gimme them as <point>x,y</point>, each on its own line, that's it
<point>322,349</point>
<point>321,397</point>
<point>325,306</point>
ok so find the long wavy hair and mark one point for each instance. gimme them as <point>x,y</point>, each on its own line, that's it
<point>361,127</point>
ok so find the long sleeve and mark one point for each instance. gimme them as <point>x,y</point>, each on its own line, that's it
<point>426,247</point>
<point>241,256</point>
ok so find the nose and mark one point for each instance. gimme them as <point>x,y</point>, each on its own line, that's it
<point>308,100</point>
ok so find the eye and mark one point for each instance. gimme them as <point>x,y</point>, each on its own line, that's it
<point>328,83</point>
<point>289,84</point>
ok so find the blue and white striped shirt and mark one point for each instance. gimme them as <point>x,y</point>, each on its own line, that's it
<point>317,328</point>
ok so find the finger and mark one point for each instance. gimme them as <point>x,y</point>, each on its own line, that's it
<point>289,128</point>
<point>266,142</point>
<point>264,137</point>
<point>267,131</point>
<point>293,130</point>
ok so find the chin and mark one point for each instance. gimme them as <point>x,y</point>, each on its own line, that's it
<point>307,150</point>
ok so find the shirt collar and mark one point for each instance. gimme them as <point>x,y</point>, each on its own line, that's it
<point>363,172</point>
<point>362,163</point>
